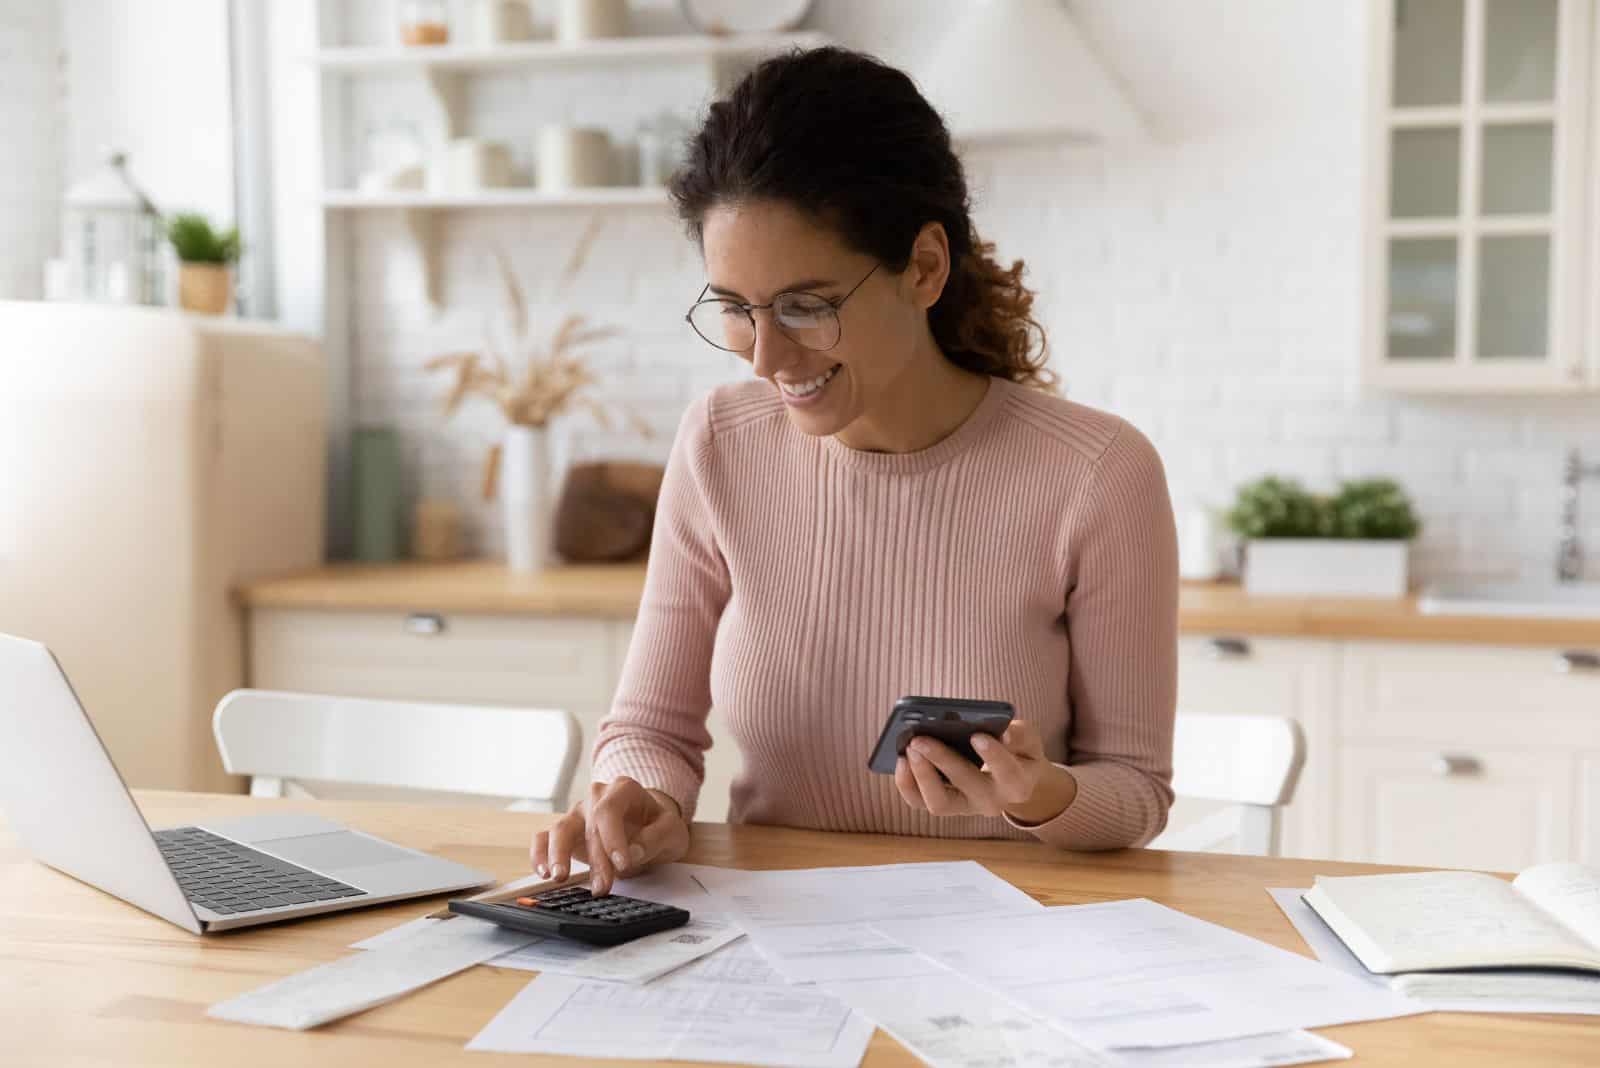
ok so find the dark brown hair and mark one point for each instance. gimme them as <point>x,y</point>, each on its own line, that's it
<point>850,141</point>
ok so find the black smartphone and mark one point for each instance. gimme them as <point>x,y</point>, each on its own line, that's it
<point>952,720</point>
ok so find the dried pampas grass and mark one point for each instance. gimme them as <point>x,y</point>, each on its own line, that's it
<point>552,377</point>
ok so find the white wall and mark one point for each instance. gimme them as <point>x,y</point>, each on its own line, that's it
<point>1205,285</point>
<point>30,165</point>
<point>152,79</point>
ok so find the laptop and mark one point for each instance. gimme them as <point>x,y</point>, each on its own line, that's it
<point>68,804</point>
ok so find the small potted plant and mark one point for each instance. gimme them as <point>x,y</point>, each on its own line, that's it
<point>206,256</point>
<point>1354,543</point>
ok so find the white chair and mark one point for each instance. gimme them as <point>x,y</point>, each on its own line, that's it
<point>298,744</point>
<point>1251,762</point>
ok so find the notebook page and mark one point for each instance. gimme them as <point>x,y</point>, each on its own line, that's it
<point>1446,919</point>
<point>1570,893</point>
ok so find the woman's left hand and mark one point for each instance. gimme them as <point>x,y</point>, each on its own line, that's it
<point>1016,779</point>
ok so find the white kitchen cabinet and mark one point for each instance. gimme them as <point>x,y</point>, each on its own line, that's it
<point>1465,756</point>
<point>1479,249</point>
<point>1227,675</point>
<point>537,661</point>
<point>1454,807</point>
<point>1588,807</point>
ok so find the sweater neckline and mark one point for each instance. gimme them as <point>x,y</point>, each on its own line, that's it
<point>951,445</point>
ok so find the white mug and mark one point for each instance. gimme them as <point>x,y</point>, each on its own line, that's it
<point>584,20</point>
<point>573,157</point>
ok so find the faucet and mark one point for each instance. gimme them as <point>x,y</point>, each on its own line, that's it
<point>1569,557</point>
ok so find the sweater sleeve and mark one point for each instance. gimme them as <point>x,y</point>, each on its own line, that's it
<point>1122,633</point>
<point>656,729</point>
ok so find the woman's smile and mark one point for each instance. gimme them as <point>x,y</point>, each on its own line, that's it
<point>805,392</point>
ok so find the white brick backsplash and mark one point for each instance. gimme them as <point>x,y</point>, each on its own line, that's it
<point>31,170</point>
<point>1204,284</point>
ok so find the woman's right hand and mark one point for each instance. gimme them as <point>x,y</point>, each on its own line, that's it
<point>620,829</point>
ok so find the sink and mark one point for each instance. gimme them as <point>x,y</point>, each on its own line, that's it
<point>1563,600</point>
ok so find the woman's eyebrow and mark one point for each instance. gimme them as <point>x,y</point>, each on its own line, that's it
<point>804,285</point>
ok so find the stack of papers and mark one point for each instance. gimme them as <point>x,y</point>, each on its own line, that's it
<point>961,967</point>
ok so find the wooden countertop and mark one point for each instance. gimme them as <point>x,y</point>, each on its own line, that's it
<point>91,981</point>
<point>611,591</point>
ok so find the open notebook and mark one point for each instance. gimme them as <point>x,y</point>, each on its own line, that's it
<point>1434,926</point>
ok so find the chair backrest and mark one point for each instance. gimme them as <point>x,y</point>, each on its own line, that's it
<point>1251,762</point>
<point>525,755</point>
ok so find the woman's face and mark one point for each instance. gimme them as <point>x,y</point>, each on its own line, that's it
<point>755,251</point>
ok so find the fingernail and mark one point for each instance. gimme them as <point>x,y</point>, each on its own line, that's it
<point>982,741</point>
<point>618,859</point>
<point>636,853</point>
<point>594,886</point>
<point>560,871</point>
<point>544,872</point>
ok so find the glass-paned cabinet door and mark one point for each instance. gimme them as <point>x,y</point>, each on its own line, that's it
<point>1478,172</point>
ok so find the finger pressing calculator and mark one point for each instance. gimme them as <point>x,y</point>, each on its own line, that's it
<point>573,912</point>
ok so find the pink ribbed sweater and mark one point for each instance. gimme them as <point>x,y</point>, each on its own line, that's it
<point>799,587</point>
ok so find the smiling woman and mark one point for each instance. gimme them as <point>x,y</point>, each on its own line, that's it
<point>898,504</point>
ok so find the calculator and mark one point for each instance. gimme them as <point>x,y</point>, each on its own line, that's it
<point>573,912</point>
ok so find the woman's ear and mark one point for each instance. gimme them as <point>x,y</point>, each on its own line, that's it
<point>929,268</point>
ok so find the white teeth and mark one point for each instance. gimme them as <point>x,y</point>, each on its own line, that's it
<point>805,389</point>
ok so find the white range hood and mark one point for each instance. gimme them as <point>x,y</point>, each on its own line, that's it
<point>1019,70</point>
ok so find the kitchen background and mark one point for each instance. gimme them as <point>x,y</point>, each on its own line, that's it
<point>1211,230</point>
<point>1203,281</point>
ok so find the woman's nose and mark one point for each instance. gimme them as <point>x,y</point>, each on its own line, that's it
<point>774,350</point>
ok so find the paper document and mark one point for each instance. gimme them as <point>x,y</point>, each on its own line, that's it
<point>1561,993</point>
<point>729,1007</point>
<point>359,982</point>
<point>638,961</point>
<point>1135,973</point>
<point>951,1022</point>
<point>815,924</point>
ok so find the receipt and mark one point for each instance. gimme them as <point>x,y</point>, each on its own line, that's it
<point>359,982</point>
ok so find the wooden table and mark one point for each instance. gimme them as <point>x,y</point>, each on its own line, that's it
<point>88,980</point>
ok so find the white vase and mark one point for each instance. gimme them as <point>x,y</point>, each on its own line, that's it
<point>525,477</point>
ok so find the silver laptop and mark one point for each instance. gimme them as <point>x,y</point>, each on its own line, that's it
<point>67,802</point>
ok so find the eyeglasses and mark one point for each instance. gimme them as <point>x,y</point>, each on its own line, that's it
<point>805,318</point>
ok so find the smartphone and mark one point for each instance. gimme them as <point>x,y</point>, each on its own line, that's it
<point>952,720</point>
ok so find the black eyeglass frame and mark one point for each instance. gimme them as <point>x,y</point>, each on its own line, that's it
<point>751,309</point>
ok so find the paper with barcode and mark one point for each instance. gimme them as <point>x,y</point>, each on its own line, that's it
<point>361,981</point>
<point>951,1022</point>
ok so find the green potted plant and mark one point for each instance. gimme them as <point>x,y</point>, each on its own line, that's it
<point>1355,542</point>
<point>206,256</point>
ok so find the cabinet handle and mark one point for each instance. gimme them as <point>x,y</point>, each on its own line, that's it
<point>1579,661</point>
<point>1457,765</point>
<point>425,623</point>
<point>1228,648</point>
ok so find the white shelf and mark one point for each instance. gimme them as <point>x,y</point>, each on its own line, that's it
<point>598,197</point>
<point>554,53</point>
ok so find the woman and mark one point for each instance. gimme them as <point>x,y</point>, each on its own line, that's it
<point>898,504</point>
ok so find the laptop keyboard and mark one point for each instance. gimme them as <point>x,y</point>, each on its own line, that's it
<point>227,877</point>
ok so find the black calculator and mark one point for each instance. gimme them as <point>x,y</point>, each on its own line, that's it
<point>573,912</point>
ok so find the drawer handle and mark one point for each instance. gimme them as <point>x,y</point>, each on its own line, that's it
<point>425,623</point>
<point>1579,661</point>
<point>1228,648</point>
<point>1457,765</point>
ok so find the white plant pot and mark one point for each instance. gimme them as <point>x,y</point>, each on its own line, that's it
<point>525,478</point>
<point>1329,567</point>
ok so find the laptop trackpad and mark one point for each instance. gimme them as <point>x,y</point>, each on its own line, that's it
<point>334,851</point>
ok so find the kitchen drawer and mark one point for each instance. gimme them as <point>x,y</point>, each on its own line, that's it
<point>1460,807</point>
<point>1481,695</point>
<point>561,663</point>
<point>1226,675</point>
